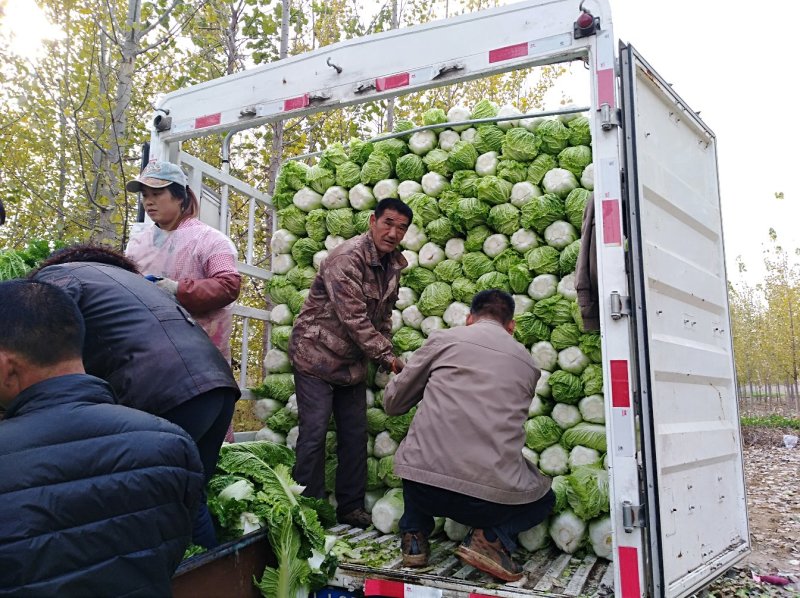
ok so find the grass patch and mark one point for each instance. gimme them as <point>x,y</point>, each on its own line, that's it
<point>771,421</point>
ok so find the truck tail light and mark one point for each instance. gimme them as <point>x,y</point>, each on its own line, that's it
<point>586,24</point>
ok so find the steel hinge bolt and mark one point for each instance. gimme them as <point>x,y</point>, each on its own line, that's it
<point>632,516</point>
<point>620,305</point>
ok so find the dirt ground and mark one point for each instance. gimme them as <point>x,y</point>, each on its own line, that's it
<point>772,474</point>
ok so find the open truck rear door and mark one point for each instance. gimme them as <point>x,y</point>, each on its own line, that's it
<point>691,443</point>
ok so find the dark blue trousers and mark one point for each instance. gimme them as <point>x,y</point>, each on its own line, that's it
<point>205,418</point>
<point>423,503</point>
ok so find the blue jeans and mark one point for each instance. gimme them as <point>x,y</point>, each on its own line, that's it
<point>205,418</point>
<point>423,503</point>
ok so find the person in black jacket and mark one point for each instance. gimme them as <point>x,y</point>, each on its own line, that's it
<point>96,499</point>
<point>150,350</point>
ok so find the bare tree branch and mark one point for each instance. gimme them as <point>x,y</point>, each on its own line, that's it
<point>173,32</point>
<point>112,37</point>
<point>163,18</point>
<point>43,199</point>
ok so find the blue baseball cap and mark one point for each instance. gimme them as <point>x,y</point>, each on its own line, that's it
<point>157,175</point>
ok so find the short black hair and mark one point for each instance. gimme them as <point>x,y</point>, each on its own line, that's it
<point>392,203</point>
<point>40,322</point>
<point>88,252</point>
<point>495,304</point>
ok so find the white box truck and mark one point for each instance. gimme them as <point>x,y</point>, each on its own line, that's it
<point>677,493</point>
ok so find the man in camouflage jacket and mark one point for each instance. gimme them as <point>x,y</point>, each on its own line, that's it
<point>344,323</point>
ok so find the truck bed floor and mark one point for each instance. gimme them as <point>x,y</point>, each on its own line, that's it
<point>547,572</point>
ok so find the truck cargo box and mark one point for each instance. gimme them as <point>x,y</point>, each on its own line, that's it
<point>674,451</point>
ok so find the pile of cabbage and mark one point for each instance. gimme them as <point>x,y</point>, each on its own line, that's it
<point>495,206</point>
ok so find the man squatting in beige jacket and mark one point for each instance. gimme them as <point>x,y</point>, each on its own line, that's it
<point>346,321</point>
<point>462,457</point>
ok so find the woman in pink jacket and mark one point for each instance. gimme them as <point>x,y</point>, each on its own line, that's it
<point>187,258</point>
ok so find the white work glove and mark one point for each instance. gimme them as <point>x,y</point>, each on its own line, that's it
<point>168,285</point>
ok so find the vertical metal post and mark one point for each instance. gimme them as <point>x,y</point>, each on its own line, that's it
<point>224,220</point>
<point>145,160</point>
<point>251,222</point>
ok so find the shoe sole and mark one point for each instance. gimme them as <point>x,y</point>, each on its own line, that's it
<point>415,560</point>
<point>485,564</point>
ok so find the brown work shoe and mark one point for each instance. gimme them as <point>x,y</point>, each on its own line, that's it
<point>357,518</point>
<point>415,549</point>
<point>489,557</point>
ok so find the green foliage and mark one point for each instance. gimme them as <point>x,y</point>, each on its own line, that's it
<point>771,421</point>
<point>295,524</point>
<point>16,263</point>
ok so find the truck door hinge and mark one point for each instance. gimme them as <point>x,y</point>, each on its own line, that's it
<point>318,98</point>
<point>609,118</point>
<point>620,305</point>
<point>632,516</point>
<point>364,87</point>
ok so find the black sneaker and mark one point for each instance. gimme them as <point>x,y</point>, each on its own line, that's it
<point>414,546</point>
<point>356,518</point>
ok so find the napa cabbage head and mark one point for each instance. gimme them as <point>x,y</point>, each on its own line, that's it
<point>504,218</point>
<point>575,159</point>
<point>494,190</point>
<point>520,144</point>
<point>435,298</point>
<point>553,135</point>
<point>540,432</point>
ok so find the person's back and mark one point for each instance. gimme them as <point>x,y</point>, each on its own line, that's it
<point>467,434</point>
<point>98,499</point>
<point>140,339</point>
<point>462,456</point>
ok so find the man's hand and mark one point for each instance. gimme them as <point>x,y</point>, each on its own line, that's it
<point>168,286</point>
<point>397,365</point>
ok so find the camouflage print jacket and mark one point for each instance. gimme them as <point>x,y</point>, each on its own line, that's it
<point>346,319</point>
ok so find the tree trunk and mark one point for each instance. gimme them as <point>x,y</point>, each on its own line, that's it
<point>276,151</point>
<point>231,35</point>
<point>94,190</point>
<point>62,129</point>
<point>119,120</point>
<point>277,128</point>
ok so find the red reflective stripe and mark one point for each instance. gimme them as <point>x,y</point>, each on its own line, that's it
<point>383,587</point>
<point>295,103</point>
<point>479,596</point>
<point>629,572</point>
<point>392,81</point>
<point>508,52</point>
<point>620,389</point>
<point>208,120</point>
<point>612,233</point>
<point>605,87</point>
